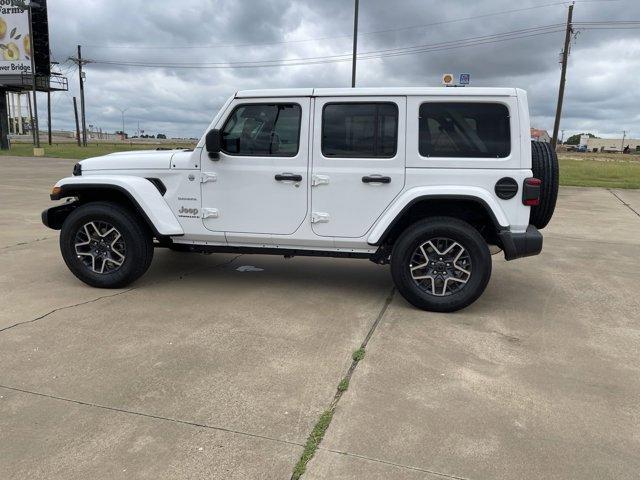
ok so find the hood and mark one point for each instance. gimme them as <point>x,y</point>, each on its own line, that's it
<point>134,160</point>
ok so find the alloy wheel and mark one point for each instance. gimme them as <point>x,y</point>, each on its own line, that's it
<point>440,267</point>
<point>100,247</point>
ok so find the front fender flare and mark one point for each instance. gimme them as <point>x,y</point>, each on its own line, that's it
<point>142,193</point>
<point>411,196</point>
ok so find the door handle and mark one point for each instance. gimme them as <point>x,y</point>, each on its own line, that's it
<point>288,177</point>
<point>376,179</point>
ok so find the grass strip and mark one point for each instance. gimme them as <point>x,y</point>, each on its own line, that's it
<point>316,436</point>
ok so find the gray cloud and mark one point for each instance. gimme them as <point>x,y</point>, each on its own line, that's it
<point>602,88</point>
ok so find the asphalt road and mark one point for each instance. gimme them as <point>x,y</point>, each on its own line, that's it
<point>204,369</point>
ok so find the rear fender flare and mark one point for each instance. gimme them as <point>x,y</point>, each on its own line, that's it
<point>410,197</point>
<point>140,191</point>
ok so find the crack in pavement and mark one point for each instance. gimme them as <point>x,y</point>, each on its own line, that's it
<point>25,243</point>
<point>150,415</point>
<point>66,307</point>
<point>363,346</point>
<point>393,464</point>
<point>321,427</point>
<point>623,202</point>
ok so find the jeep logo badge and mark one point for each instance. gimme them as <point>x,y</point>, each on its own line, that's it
<point>188,212</point>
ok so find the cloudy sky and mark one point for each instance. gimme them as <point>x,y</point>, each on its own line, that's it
<point>162,37</point>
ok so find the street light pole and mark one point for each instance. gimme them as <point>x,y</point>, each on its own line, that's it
<point>355,45</point>
<point>123,110</point>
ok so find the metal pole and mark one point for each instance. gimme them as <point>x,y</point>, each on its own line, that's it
<point>36,133</point>
<point>14,116</point>
<point>49,115</point>
<point>20,119</point>
<point>624,135</point>
<point>355,45</point>
<point>82,109</point>
<point>31,117</point>
<point>563,76</point>
<point>4,121</point>
<point>75,111</point>
<point>123,110</point>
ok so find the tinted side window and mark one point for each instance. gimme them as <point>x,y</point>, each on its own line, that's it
<point>270,130</point>
<point>364,130</point>
<point>464,130</point>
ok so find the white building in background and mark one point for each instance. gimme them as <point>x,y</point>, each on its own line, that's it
<point>610,144</point>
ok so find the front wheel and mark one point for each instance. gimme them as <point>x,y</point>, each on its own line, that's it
<point>441,264</point>
<point>105,246</point>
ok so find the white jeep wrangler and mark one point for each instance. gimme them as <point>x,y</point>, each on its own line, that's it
<point>422,178</point>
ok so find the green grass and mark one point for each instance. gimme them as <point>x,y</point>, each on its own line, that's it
<point>358,355</point>
<point>594,173</point>
<point>316,436</point>
<point>73,151</point>
<point>343,385</point>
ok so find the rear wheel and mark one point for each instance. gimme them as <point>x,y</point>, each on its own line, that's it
<point>441,264</point>
<point>104,245</point>
<point>544,164</point>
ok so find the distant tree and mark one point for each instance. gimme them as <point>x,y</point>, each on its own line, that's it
<point>575,139</point>
<point>162,136</point>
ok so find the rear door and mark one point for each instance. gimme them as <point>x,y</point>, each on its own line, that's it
<point>358,162</point>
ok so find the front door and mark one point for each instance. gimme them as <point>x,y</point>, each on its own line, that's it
<point>258,185</point>
<point>358,162</point>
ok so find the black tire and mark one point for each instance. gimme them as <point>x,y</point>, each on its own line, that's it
<point>135,236</point>
<point>441,228</point>
<point>544,163</point>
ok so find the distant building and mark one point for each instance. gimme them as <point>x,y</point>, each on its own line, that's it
<point>611,144</point>
<point>540,135</point>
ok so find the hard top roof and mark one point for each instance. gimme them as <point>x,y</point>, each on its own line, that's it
<point>375,92</point>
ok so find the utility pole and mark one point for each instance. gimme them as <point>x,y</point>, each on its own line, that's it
<point>82,110</point>
<point>563,76</point>
<point>80,63</point>
<point>355,45</point>
<point>75,111</point>
<point>624,135</point>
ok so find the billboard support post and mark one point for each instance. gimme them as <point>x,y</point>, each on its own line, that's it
<point>36,132</point>
<point>49,115</point>
<point>4,121</point>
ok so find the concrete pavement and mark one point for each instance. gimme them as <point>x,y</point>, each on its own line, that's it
<point>200,370</point>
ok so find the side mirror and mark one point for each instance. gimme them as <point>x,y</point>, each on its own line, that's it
<point>213,142</point>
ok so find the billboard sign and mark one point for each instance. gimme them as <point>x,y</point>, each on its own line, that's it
<point>15,42</point>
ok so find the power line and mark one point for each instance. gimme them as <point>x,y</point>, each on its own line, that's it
<point>374,54</point>
<point>333,37</point>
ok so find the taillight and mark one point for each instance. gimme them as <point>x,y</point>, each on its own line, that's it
<point>531,192</point>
